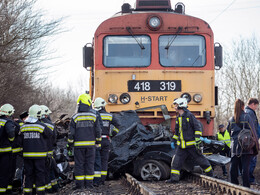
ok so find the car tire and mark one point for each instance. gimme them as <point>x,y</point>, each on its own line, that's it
<point>153,170</point>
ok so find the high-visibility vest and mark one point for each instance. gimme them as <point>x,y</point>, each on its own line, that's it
<point>225,138</point>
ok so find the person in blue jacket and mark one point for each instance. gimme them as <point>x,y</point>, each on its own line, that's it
<point>252,106</point>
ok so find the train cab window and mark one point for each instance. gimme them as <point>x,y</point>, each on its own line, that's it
<point>182,50</point>
<point>127,51</point>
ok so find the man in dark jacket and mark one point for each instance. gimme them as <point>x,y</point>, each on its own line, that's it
<point>7,135</point>
<point>34,135</point>
<point>85,133</point>
<point>252,106</point>
<point>102,154</point>
<point>187,138</point>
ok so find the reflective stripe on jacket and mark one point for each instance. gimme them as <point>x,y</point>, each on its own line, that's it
<point>34,137</point>
<point>85,127</point>
<point>107,120</point>
<point>7,134</point>
<point>186,129</point>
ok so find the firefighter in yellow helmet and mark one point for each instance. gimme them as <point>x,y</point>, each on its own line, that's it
<point>85,133</point>
<point>7,135</point>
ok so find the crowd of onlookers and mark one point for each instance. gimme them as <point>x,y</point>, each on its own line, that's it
<point>243,160</point>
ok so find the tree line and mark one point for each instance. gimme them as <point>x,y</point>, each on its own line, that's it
<point>239,76</point>
<point>24,32</point>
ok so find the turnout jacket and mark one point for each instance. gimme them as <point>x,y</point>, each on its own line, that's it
<point>85,127</point>
<point>7,134</point>
<point>34,135</point>
<point>107,120</point>
<point>187,127</point>
<point>50,141</point>
<point>17,143</point>
<point>235,128</point>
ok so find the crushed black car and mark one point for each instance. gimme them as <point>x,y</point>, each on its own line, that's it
<point>146,152</point>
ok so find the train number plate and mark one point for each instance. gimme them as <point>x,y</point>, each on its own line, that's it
<point>154,85</point>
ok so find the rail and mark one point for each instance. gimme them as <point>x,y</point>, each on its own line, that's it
<point>221,186</point>
<point>209,184</point>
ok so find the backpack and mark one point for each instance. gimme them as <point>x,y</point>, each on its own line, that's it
<point>246,139</point>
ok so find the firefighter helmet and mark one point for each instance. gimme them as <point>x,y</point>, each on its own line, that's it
<point>84,99</point>
<point>7,109</point>
<point>45,110</point>
<point>35,111</point>
<point>99,103</point>
<point>181,102</point>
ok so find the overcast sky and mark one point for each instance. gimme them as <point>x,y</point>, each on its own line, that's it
<point>229,19</point>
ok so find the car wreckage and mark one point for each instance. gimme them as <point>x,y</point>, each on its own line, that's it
<point>145,151</point>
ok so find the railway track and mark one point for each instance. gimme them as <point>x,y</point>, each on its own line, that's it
<point>193,184</point>
<point>197,184</point>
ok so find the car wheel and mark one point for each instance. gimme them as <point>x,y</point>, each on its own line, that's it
<point>153,170</point>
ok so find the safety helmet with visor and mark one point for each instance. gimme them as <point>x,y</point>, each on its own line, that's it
<point>99,103</point>
<point>181,102</point>
<point>84,99</point>
<point>45,110</point>
<point>35,111</point>
<point>7,109</point>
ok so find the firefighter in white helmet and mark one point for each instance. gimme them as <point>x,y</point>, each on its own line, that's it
<point>51,182</point>
<point>186,139</point>
<point>34,136</point>
<point>102,154</point>
<point>7,135</point>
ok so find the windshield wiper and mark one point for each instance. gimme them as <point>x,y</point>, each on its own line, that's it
<point>173,39</point>
<point>131,32</point>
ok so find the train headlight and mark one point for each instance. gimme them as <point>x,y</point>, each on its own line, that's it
<point>197,98</point>
<point>154,22</point>
<point>112,98</point>
<point>125,98</point>
<point>187,96</point>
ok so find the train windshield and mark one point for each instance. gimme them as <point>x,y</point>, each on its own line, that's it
<point>182,50</point>
<point>127,51</point>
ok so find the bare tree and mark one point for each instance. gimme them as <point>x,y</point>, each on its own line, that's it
<point>23,35</point>
<point>239,78</point>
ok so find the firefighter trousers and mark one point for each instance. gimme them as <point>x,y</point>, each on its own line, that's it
<point>84,166</point>
<point>97,167</point>
<point>104,154</point>
<point>34,172</point>
<point>13,169</point>
<point>5,173</point>
<point>180,157</point>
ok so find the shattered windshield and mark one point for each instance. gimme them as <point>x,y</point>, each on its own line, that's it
<point>182,50</point>
<point>125,51</point>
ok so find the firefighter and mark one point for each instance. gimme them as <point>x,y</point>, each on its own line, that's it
<point>7,135</point>
<point>50,180</point>
<point>224,136</point>
<point>85,133</point>
<point>102,154</point>
<point>16,152</point>
<point>34,135</point>
<point>187,138</point>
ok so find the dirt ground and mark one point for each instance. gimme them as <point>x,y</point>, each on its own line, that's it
<point>257,169</point>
